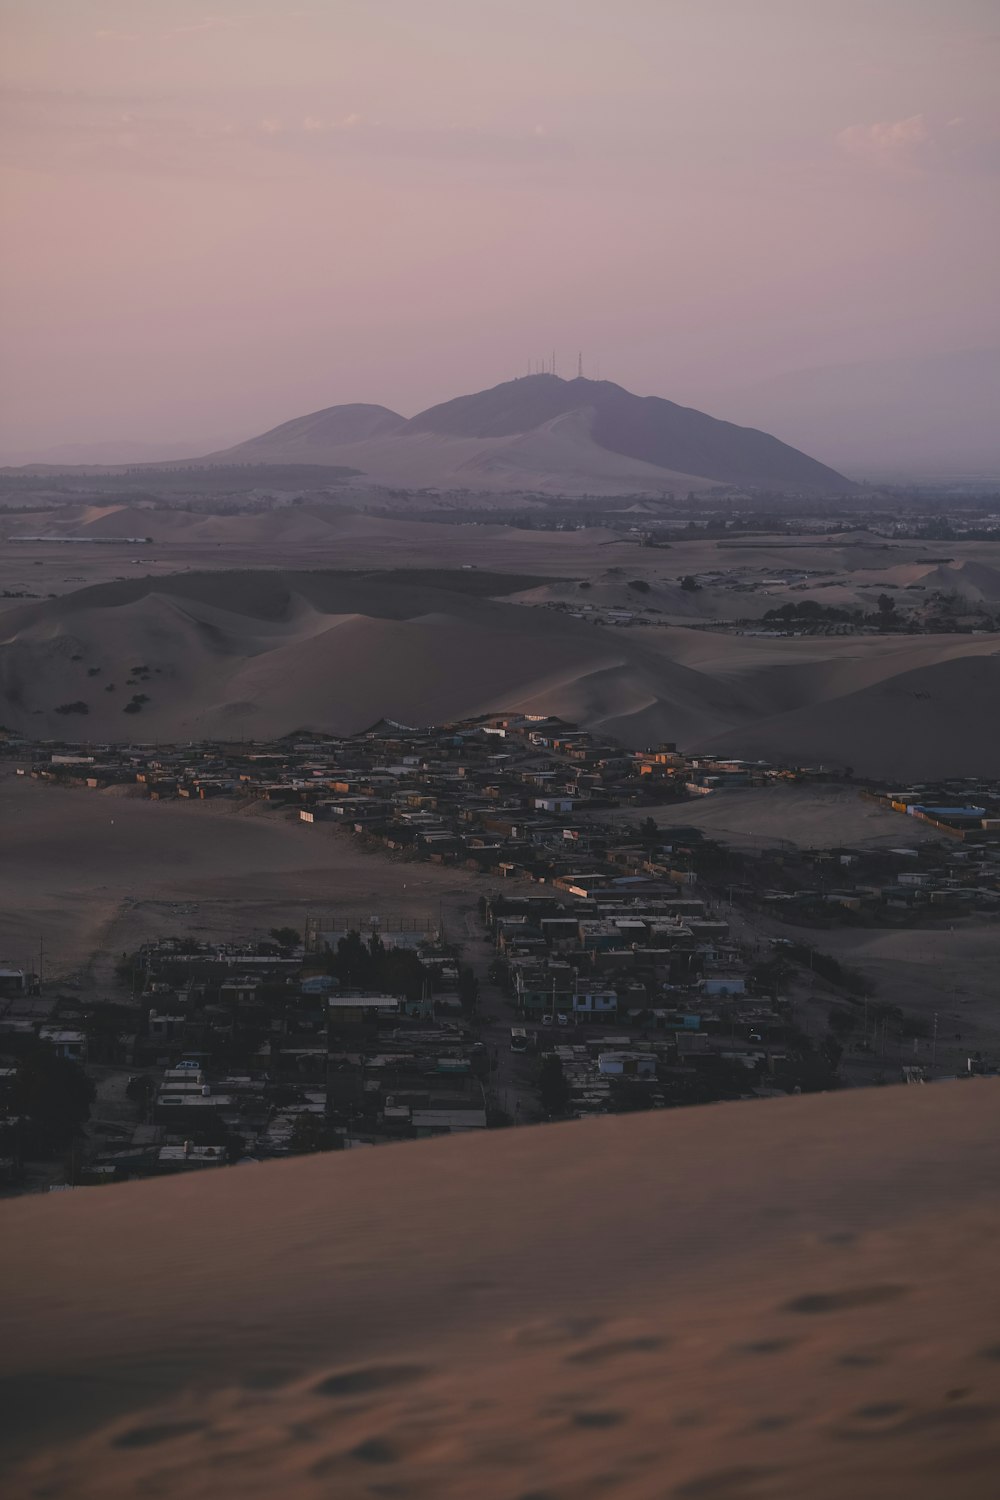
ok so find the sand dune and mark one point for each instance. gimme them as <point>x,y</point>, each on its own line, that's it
<point>738,1302</point>
<point>264,653</point>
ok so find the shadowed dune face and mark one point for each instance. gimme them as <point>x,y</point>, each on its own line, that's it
<point>265,653</point>
<point>741,1301</point>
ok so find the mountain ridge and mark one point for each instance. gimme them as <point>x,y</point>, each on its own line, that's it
<point>536,434</point>
<point>643,433</point>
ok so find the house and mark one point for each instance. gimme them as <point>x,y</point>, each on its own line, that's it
<point>426,1122</point>
<point>358,1010</point>
<point>69,1044</point>
<point>626,1064</point>
<point>188,1157</point>
<point>595,1003</point>
<point>13,981</point>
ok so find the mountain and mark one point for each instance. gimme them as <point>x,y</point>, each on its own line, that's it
<point>318,432</point>
<point>749,1301</point>
<point>543,433</point>
<point>933,417</point>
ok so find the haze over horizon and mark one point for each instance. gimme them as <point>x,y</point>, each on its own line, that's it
<point>220,220</point>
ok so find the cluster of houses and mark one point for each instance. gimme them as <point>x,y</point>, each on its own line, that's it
<point>490,793</point>
<point>243,1051</point>
<point>644,998</point>
<point>620,969</point>
<point>900,885</point>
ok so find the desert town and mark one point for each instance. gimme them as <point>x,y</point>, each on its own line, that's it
<point>615,956</point>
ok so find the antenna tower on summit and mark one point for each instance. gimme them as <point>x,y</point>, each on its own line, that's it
<point>579,365</point>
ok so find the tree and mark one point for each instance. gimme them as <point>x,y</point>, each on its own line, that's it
<point>887,616</point>
<point>140,1090</point>
<point>310,1134</point>
<point>552,1085</point>
<point>690,585</point>
<point>648,831</point>
<point>53,1095</point>
<point>286,937</point>
<point>468,989</point>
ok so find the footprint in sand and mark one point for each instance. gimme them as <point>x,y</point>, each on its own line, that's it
<point>560,1331</point>
<point>767,1346</point>
<point>597,1418</point>
<point>844,1301</point>
<point>368,1378</point>
<point>375,1450</point>
<point>599,1354</point>
<point>162,1432</point>
<point>742,1483</point>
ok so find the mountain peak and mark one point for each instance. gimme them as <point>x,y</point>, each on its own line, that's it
<point>509,438</point>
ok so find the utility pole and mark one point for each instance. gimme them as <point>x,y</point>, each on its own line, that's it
<point>934,1044</point>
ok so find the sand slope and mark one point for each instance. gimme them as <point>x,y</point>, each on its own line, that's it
<point>265,653</point>
<point>735,1302</point>
<point>91,874</point>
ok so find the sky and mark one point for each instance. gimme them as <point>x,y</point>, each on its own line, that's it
<point>217,217</point>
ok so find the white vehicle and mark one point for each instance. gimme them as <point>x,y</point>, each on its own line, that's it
<point>548,1020</point>
<point>562,1018</point>
<point>518,1039</point>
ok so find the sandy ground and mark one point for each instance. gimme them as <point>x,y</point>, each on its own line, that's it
<point>951,971</point>
<point>94,874</point>
<point>736,1302</point>
<point>852,571</point>
<point>810,817</point>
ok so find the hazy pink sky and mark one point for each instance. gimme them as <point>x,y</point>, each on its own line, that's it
<point>217,217</point>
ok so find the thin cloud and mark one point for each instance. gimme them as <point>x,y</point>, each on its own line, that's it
<point>912,147</point>
<point>893,144</point>
<point>208,23</point>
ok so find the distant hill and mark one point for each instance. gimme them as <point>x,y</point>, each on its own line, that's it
<point>547,434</point>
<point>320,430</point>
<point>933,417</point>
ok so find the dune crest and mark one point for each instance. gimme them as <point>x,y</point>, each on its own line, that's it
<point>282,650</point>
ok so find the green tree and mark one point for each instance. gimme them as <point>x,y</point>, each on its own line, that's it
<point>552,1086</point>
<point>53,1095</point>
<point>468,989</point>
<point>311,1133</point>
<point>286,937</point>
